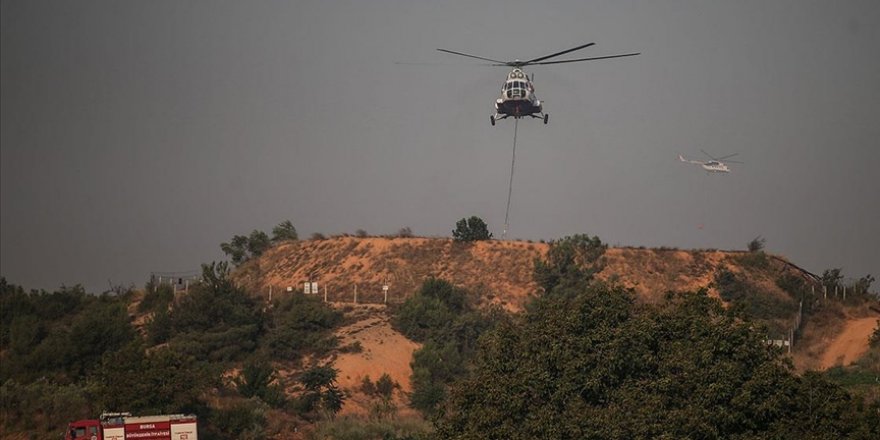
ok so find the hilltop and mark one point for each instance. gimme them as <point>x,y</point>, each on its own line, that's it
<point>497,272</point>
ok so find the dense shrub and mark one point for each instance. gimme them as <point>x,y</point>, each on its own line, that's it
<point>440,316</point>
<point>284,232</point>
<point>156,296</point>
<point>471,229</point>
<point>748,299</point>
<point>298,324</point>
<point>217,320</point>
<point>573,259</point>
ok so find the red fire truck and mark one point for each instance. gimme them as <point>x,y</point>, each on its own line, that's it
<point>124,426</point>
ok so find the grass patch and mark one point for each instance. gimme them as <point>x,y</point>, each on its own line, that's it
<point>357,428</point>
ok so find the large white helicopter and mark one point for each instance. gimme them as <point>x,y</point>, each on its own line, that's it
<point>713,166</point>
<point>518,92</point>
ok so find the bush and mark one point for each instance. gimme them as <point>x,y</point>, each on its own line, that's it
<point>431,310</point>
<point>405,232</point>
<point>754,260</point>
<point>299,324</point>
<point>217,320</point>
<point>471,229</point>
<point>354,428</point>
<point>258,379</point>
<point>322,395</point>
<point>756,244</point>
<point>571,260</point>
<point>747,299</point>
<point>360,233</point>
<point>317,236</point>
<point>284,232</point>
<point>156,296</point>
<point>241,248</point>
<point>245,420</point>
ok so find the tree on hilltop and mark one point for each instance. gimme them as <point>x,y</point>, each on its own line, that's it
<point>471,229</point>
<point>242,248</point>
<point>284,232</point>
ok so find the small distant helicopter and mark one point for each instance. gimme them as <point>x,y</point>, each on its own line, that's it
<point>518,92</point>
<point>713,166</point>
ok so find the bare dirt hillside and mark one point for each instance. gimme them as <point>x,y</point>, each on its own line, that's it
<point>850,344</point>
<point>835,335</point>
<point>382,350</point>
<point>498,272</point>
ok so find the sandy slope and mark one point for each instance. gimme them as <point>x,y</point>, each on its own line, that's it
<point>850,344</point>
<point>384,350</point>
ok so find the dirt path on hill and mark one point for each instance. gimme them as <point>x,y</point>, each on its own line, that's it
<point>850,344</point>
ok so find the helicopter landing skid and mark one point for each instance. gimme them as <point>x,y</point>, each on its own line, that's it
<point>499,116</point>
<point>496,117</point>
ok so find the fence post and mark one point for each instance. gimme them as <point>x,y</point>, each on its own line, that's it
<point>355,293</point>
<point>270,293</point>
<point>325,293</point>
<point>825,291</point>
<point>844,293</point>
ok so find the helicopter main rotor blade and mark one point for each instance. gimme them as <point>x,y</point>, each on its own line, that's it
<point>732,161</point>
<point>535,61</point>
<point>504,63</point>
<point>587,59</point>
<point>707,154</point>
<point>728,156</point>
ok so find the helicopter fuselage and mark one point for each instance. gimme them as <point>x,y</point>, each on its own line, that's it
<point>518,98</point>
<point>715,167</point>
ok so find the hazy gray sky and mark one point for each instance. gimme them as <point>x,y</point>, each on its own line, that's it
<point>138,136</point>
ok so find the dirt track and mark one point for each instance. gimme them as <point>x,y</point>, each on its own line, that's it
<point>850,344</point>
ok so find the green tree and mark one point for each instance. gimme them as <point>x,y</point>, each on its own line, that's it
<point>284,232</point>
<point>258,242</point>
<point>217,320</point>
<point>831,278</point>
<point>594,365</point>
<point>242,248</point>
<point>571,260</point>
<point>298,324</point>
<point>471,229</point>
<point>440,316</point>
<point>321,391</point>
<point>237,249</point>
<point>164,381</point>
<point>258,379</point>
<point>385,386</point>
<point>431,310</point>
<point>757,244</point>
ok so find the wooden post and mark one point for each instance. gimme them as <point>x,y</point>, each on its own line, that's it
<point>844,293</point>
<point>825,290</point>
<point>270,293</point>
<point>325,293</point>
<point>355,293</point>
<point>835,290</point>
